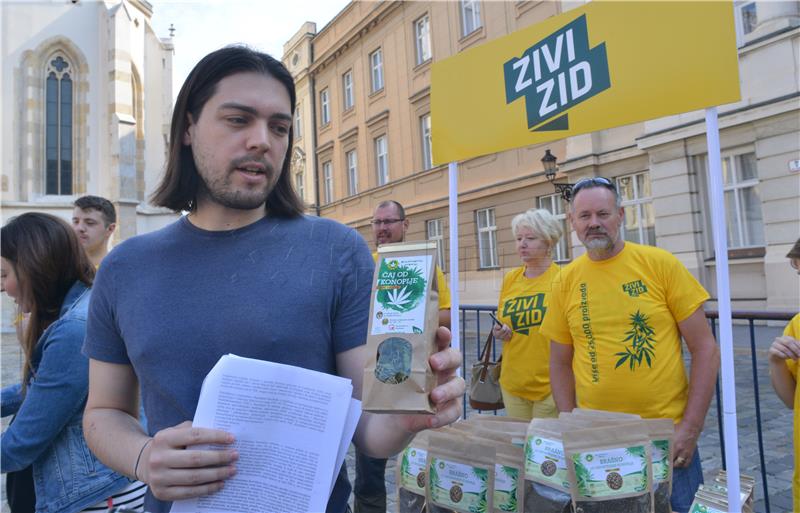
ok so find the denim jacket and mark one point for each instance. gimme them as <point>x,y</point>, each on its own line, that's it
<point>47,432</point>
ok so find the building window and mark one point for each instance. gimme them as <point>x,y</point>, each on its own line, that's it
<point>325,106</point>
<point>382,160</point>
<point>637,198</point>
<point>435,232</point>
<point>298,121</point>
<point>347,90</point>
<point>300,185</point>
<point>327,177</point>
<point>487,238</point>
<point>745,225</point>
<point>554,204</point>
<point>352,172</point>
<point>58,127</point>
<point>425,132</point>
<point>422,33</point>
<point>746,20</point>
<point>470,16</point>
<point>376,65</point>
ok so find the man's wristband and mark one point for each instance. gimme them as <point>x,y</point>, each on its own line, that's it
<point>139,458</point>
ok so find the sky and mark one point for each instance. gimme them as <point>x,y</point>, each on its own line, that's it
<point>202,26</point>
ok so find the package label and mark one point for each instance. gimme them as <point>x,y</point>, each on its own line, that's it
<point>505,488</point>
<point>660,457</point>
<point>544,460</point>
<point>458,486</point>
<point>412,470</point>
<point>611,472</point>
<point>401,295</point>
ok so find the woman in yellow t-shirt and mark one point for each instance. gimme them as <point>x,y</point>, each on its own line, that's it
<point>784,354</point>
<point>525,373</point>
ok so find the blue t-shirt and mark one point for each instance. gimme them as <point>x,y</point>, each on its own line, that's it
<point>172,302</point>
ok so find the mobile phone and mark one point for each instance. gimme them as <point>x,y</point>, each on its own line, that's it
<point>495,319</point>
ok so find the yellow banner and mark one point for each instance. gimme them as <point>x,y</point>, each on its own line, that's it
<point>606,64</point>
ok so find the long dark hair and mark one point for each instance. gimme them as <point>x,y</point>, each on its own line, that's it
<point>178,189</point>
<point>47,260</point>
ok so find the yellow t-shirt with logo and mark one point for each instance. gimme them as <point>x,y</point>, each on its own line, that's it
<point>793,330</point>
<point>621,315</point>
<point>526,357</point>
<point>441,283</point>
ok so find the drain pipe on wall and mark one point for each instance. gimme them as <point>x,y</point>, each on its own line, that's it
<point>313,95</point>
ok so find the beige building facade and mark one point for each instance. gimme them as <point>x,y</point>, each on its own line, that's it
<point>367,85</point>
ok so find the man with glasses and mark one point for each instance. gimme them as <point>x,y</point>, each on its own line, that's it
<point>389,224</point>
<point>616,318</point>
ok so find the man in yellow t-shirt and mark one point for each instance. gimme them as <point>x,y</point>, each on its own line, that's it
<point>616,318</point>
<point>389,224</point>
<point>784,354</point>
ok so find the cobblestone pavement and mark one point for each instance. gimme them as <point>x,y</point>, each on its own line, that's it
<point>776,420</point>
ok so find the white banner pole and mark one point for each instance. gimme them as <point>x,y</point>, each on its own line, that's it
<point>724,305</point>
<point>455,314</point>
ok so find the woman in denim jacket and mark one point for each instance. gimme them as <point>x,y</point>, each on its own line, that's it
<point>47,273</point>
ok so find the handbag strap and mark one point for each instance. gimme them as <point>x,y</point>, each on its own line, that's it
<point>485,352</point>
<point>484,359</point>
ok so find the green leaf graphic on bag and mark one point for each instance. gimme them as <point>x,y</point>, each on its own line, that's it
<point>400,287</point>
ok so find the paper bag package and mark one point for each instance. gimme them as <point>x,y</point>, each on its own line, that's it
<point>404,316</point>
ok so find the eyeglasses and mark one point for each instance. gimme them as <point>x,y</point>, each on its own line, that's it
<point>385,222</point>
<point>594,180</point>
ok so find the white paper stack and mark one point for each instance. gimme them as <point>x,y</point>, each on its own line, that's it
<point>292,427</point>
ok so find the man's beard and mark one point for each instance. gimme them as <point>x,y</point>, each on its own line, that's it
<point>221,191</point>
<point>599,246</point>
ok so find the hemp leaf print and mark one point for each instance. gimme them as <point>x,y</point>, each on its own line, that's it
<point>642,343</point>
<point>399,298</point>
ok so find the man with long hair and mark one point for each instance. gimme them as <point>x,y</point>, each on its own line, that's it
<point>245,273</point>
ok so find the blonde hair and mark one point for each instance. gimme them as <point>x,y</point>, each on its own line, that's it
<point>541,222</point>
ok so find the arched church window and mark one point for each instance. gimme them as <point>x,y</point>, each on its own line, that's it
<point>58,126</point>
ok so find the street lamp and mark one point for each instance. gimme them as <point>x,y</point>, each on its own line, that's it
<point>549,162</point>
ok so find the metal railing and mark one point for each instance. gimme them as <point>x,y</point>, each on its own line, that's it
<point>473,336</point>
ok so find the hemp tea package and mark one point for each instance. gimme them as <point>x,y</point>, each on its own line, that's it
<point>404,316</point>
<point>460,473</point>
<point>411,475</point>
<point>662,434</point>
<point>508,478</point>
<point>546,485</point>
<point>610,469</point>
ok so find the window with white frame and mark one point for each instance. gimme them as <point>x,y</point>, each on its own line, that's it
<point>376,67</point>
<point>425,132</point>
<point>352,172</point>
<point>299,185</point>
<point>745,224</point>
<point>347,90</point>
<point>470,16</point>
<point>554,204</point>
<point>745,19</point>
<point>58,127</point>
<point>327,177</point>
<point>487,238</point>
<point>382,160</point>
<point>298,121</point>
<point>435,232</point>
<point>422,36</point>
<point>743,217</point>
<point>324,107</point>
<point>637,198</point>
